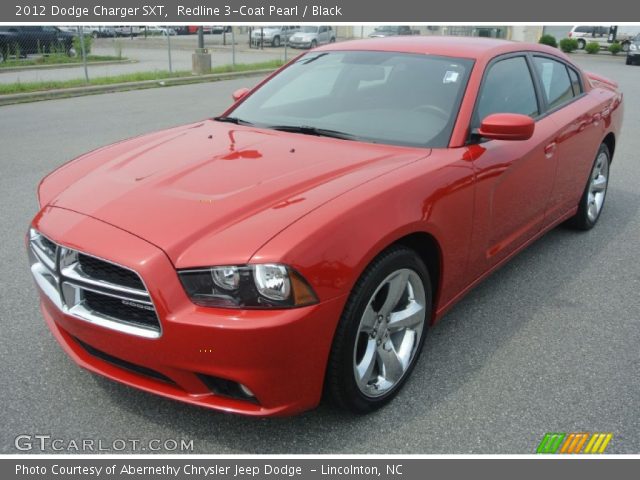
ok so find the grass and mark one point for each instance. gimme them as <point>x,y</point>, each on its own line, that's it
<point>20,87</point>
<point>57,59</point>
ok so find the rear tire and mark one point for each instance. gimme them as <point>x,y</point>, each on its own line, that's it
<point>595,192</point>
<point>381,332</point>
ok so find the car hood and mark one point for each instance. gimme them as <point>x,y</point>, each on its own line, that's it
<point>304,36</point>
<point>214,192</point>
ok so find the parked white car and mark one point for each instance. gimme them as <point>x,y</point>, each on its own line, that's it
<point>601,34</point>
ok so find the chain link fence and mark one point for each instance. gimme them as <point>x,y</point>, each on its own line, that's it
<point>49,57</point>
<point>73,56</point>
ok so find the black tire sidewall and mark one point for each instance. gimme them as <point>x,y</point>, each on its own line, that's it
<point>341,384</point>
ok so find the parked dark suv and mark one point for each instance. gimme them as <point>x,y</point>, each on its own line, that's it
<point>25,40</point>
<point>633,54</point>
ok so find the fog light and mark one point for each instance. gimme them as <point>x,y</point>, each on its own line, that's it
<point>246,391</point>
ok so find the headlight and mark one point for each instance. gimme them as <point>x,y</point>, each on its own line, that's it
<point>247,286</point>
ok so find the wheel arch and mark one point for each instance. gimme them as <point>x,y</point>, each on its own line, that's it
<point>610,141</point>
<point>426,246</point>
<point>428,249</point>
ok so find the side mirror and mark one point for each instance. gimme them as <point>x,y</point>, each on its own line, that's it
<point>507,126</point>
<point>238,94</point>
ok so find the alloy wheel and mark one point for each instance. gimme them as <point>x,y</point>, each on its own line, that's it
<point>598,186</point>
<point>389,333</point>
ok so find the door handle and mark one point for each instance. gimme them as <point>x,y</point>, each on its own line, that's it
<point>550,149</point>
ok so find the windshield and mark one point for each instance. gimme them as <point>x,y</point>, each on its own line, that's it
<point>381,97</point>
<point>309,29</point>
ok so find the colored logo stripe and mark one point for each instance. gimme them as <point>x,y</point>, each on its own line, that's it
<point>550,442</point>
<point>574,442</point>
<point>598,443</point>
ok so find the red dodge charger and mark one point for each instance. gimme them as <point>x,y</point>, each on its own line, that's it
<point>305,240</point>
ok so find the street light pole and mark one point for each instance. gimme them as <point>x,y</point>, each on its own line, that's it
<point>200,36</point>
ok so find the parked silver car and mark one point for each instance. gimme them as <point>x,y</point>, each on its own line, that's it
<point>312,36</point>
<point>273,35</point>
<point>392,31</point>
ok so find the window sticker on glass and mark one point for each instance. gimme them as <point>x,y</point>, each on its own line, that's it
<point>450,77</point>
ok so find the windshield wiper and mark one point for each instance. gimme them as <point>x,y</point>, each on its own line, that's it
<point>320,132</point>
<point>236,120</point>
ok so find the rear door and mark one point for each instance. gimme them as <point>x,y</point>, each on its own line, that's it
<point>514,179</point>
<point>576,116</point>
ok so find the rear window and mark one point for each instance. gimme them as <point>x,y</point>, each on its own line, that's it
<point>575,82</point>
<point>584,29</point>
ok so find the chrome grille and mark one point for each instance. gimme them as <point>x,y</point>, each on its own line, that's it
<point>92,289</point>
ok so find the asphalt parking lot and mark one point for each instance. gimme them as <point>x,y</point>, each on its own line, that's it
<point>547,344</point>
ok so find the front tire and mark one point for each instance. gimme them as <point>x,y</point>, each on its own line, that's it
<point>595,192</point>
<point>275,42</point>
<point>381,332</point>
<point>581,44</point>
<point>314,44</point>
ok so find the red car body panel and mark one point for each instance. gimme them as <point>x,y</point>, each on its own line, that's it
<point>213,193</point>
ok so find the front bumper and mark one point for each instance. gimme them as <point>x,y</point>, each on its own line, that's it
<point>299,44</point>
<point>280,355</point>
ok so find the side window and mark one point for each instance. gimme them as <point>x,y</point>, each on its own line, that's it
<point>507,88</point>
<point>555,81</point>
<point>575,82</point>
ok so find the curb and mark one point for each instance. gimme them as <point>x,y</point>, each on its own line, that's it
<point>121,87</point>
<point>64,65</point>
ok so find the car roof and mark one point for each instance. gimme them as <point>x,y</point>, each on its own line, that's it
<point>449,46</point>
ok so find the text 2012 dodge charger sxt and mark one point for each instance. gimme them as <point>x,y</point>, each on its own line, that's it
<point>306,239</point>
